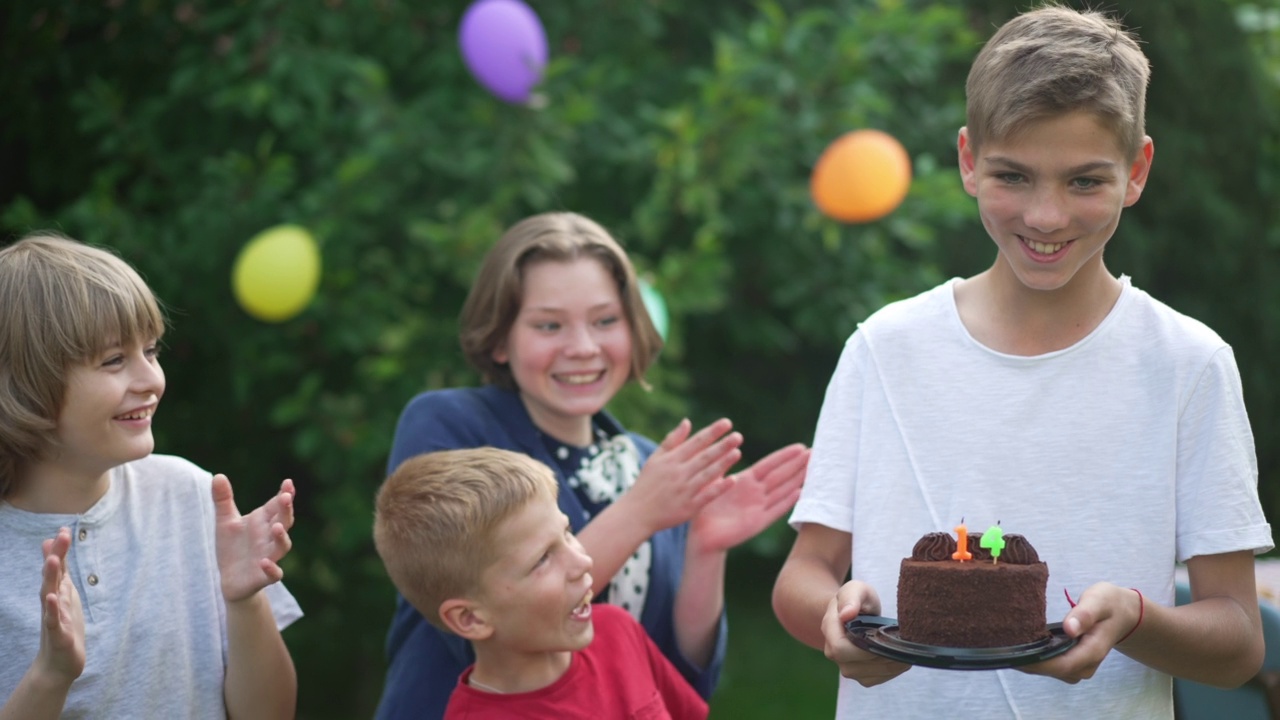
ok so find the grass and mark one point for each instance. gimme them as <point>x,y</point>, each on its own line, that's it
<point>767,673</point>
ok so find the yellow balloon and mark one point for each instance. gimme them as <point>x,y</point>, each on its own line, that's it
<point>277,272</point>
<point>862,176</point>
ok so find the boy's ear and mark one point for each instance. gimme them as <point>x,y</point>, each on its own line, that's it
<point>968,164</point>
<point>1139,171</point>
<point>499,354</point>
<point>465,618</point>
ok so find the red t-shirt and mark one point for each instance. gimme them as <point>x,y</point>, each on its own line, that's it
<point>621,674</point>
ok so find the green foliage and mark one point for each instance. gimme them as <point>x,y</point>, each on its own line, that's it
<point>775,281</point>
<point>767,674</point>
<point>732,173</point>
<point>1261,25</point>
<point>174,133</point>
<point>1206,236</point>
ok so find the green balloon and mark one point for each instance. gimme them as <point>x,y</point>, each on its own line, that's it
<point>656,307</point>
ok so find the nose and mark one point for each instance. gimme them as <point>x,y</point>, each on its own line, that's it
<point>582,561</point>
<point>582,342</point>
<point>148,376</point>
<point>1046,212</point>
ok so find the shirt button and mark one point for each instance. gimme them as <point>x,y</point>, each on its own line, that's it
<point>83,534</point>
<point>93,579</point>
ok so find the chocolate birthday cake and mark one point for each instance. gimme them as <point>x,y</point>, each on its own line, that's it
<point>982,602</point>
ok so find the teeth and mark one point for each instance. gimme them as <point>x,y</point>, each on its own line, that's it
<point>139,415</point>
<point>1043,248</point>
<point>580,378</point>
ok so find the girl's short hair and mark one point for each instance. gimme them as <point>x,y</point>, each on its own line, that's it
<point>494,300</point>
<point>64,303</point>
<point>1052,61</point>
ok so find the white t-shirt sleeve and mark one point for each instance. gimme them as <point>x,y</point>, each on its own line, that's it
<point>828,493</point>
<point>1217,467</point>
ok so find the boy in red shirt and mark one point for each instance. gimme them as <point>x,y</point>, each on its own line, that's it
<point>475,541</point>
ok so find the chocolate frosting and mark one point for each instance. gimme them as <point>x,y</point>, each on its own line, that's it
<point>938,546</point>
<point>976,549</point>
<point>1018,551</point>
<point>935,546</point>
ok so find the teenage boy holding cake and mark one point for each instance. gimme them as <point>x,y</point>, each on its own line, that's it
<point>1052,396</point>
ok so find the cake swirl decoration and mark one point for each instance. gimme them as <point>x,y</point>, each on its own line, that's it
<point>979,553</point>
<point>938,547</point>
<point>935,547</point>
<point>1018,551</point>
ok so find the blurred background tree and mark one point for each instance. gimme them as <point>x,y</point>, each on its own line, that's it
<point>174,131</point>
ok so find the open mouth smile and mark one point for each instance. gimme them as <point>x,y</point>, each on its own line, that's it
<point>579,378</point>
<point>1043,248</point>
<point>583,610</point>
<point>141,414</point>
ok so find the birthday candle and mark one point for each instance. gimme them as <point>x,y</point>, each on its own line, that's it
<point>962,543</point>
<point>993,540</point>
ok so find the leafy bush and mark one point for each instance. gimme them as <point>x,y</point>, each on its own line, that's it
<point>173,133</point>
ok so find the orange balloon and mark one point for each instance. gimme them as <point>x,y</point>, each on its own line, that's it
<point>862,176</point>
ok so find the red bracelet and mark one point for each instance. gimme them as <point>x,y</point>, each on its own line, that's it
<point>1141,608</point>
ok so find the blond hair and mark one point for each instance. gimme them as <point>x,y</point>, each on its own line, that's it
<point>1052,61</point>
<point>493,302</point>
<point>437,516</point>
<point>64,303</point>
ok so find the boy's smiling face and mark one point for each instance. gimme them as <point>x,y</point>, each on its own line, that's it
<point>106,412</point>
<point>1051,196</point>
<point>535,598</point>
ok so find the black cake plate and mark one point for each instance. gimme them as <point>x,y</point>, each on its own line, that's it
<point>879,635</point>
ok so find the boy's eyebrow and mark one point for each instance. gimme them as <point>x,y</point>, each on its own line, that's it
<point>110,346</point>
<point>1077,170</point>
<point>543,546</point>
<point>525,556</point>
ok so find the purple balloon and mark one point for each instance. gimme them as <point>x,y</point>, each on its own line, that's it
<point>504,46</point>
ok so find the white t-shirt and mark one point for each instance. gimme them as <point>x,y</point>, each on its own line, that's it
<point>1115,457</point>
<point>143,560</point>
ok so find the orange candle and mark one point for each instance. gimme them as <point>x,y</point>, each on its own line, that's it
<point>962,544</point>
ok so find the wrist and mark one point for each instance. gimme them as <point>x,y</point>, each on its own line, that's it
<point>1141,611</point>
<point>633,513</point>
<point>698,546</point>
<point>47,679</point>
<point>249,602</point>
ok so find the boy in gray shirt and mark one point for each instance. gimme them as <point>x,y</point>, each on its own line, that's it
<point>156,597</point>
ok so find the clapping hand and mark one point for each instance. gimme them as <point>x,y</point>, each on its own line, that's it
<point>684,474</point>
<point>61,652</point>
<point>758,496</point>
<point>250,546</point>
